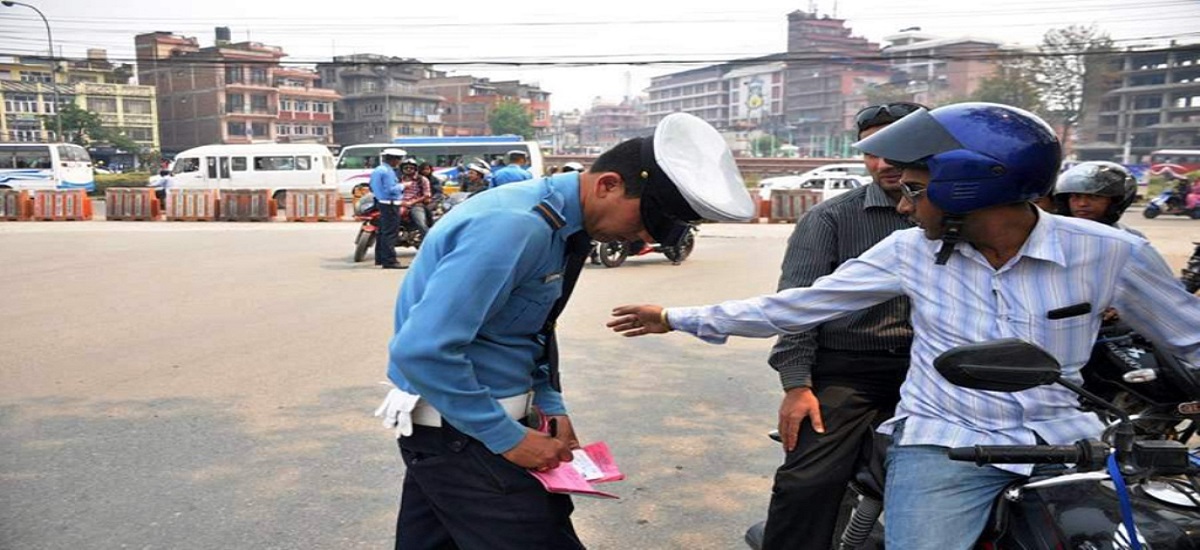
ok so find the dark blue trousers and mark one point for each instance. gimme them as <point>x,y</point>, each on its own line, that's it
<point>385,239</point>
<point>459,495</point>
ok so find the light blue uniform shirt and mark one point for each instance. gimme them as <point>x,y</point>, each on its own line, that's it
<point>1064,262</point>
<point>474,301</point>
<point>509,174</point>
<point>384,183</point>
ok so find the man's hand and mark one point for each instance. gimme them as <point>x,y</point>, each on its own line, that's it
<point>797,404</point>
<point>637,320</point>
<point>564,431</point>
<point>538,451</point>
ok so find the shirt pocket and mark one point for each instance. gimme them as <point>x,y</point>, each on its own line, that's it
<point>527,307</point>
<point>1069,340</point>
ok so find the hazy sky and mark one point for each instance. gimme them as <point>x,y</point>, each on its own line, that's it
<point>535,39</point>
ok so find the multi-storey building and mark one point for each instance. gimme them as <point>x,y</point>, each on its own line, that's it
<point>1142,101</point>
<point>28,85</point>
<point>703,92</point>
<point>826,69</point>
<point>607,124</point>
<point>230,92</point>
<point>381,99</point>
<point>470,101</point>
<point>933,70</point>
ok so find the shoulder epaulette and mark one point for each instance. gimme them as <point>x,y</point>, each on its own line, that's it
<point>550,214</point>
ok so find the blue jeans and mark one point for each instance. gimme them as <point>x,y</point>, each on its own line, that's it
<point>934,503</point>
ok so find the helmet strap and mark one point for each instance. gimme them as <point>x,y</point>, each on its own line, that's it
<point>951,235</point>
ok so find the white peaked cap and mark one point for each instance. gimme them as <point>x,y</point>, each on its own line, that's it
<point>698,161</point>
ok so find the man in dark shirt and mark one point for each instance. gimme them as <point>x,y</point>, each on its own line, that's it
<point>844,376</point>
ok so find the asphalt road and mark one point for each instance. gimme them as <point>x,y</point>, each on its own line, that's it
<point>209,385</point>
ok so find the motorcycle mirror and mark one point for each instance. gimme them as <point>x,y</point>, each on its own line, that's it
<point>1007,365</point>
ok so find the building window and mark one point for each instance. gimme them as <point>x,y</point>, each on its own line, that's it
<point>258,103</point>
<point>235,128</point>
<point>35,76</point>
<point>102,104</point>
<point>235,103</point>
<point>258,76</point>
<point>139,133</point>
<point>301,106</point>
<point>137,106</point>
<point>282,130</point>
<point>321,130</point>
<point>273,164</point>
<point>259,129</point>
<point>20,103</point>
<point>285,104</point>
<point>234,74</point>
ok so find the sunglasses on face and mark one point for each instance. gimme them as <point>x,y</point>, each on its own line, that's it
<point>911,193</point>
<point>887,113</point>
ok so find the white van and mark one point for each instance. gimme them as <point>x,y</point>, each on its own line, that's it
<point>42,166</point>
<point>274,166</point>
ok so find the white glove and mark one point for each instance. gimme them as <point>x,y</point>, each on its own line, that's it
<point>396,411</point>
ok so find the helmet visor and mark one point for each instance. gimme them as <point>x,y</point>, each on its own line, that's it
<point>910,140</point>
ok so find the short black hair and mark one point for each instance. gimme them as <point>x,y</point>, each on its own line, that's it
<point>624,159</point>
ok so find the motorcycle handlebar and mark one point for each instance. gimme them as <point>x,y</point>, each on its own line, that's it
<point>1018,454</point>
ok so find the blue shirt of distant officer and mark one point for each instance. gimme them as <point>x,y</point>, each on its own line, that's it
<point>487,303</point>
<point>512,173</point>
<point>384,183</point>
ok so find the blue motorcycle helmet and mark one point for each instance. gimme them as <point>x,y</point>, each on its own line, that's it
<point>978,154</point>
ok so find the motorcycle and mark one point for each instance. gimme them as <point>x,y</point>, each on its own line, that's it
<point>1151,403</point>
<point>614,253</point>
<point>1172,202</point>
<point>366,210</point>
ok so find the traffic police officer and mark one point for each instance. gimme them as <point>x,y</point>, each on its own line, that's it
<point>474,347</point>
<point>515,170</point>
<point>387,190</point>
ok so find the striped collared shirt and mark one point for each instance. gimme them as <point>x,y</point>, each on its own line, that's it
<point>1063,262</point>
<point>833,232</point>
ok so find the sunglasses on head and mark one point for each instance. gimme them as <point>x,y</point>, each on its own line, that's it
<point>887,113</point>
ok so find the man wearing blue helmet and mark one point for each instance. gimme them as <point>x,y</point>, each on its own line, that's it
<point>984,264</point>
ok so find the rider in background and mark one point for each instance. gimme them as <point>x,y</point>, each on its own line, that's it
<point>515,170</point>
<point>1099,191</point>
<point>417,194</point>
<point>435,182</point>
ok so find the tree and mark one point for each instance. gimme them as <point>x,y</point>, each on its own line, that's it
<point>79,126</point>
<point>764,146</point>
<point>1013,84</point>
<point>1070,57</point>
<point>510,117</point>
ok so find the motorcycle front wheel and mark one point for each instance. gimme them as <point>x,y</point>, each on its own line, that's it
<point>1151,212</point>
<point>613,254</point>
<point>362,244</point>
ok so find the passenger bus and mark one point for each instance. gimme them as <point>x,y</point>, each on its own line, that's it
<point>273,166</point>
<point>1174,163</point>
<point>43,166</point>
<point>355,163</point>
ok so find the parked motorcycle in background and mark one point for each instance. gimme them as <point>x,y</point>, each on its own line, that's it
<point>613,254</point>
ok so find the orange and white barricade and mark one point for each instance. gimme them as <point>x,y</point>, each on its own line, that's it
<point>789,205</point>
<point>314,205</point>
<point>62,205</point>
<point>130,203</point>
<point>15,205</point>
<point>247,205</point>
<point>191,205</point>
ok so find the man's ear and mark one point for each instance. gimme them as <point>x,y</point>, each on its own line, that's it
<point>607,183</point>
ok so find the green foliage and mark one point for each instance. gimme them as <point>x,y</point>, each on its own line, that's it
<point>510,117</point>
<point>128,179</point>
<point>765,146</point>
<point>79,126</point>
<point>1013,84</point>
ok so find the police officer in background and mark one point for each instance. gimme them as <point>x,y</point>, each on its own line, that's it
<point>514,171</point>
<point>386,188</point>
<point>492,276</point>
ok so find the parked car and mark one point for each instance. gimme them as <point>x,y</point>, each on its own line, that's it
<point>831,180</point>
